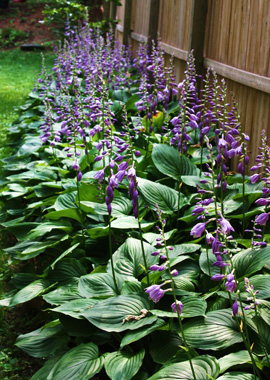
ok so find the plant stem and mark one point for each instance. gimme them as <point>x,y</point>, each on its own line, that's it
<point>111,257</point>
<point>143,251</point>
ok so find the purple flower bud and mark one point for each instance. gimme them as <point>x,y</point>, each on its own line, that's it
<point>138,153</point>
<point>179,305</point>
<point>254,178</point>
<point>235,307</point>
<point>198,230</point>
<point>154,267</point>
<point>174,272</point>
<point>262,219</point>
<point>262,201</point>
<point>156,253</point>
<point>79,177</point>
<point>217,277</point>
<point>163,257</point>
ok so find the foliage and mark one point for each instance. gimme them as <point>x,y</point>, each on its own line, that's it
<point>10,37</point>
<point>150,258</point>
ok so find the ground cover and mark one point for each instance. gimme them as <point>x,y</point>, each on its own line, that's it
<point>149,259</point>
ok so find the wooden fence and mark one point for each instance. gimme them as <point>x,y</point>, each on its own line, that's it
<point>230,36</point>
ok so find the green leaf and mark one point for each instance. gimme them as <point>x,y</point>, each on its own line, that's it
<point>250,260</point>
<point>128,259</point>
<point>216,331</point>
<point>72,213</point>
<point>236,358</point>
<point>236,376</point>
<point>168,161</point>
<point>43,372</point>
<point>119,313</point>
<point>261,283</point>
<point>29,292</point>
<point>75,308</point>
<point>205,367</point>
<point>80,363</point>
<point>164,346</point>
<point>31,144</point>
<point>46,227</point>
<point>63,294</point>
<point>65,253</point>
<point>154,193</point>
<point>192,307</point>
<point>123,365</point>
<point>120,207</point>
<point>206,263</point>
<point>129,222</point>
<point>43,342</point>
<point>135,335</point>
<point>98,285</point>
<point>65,201</point>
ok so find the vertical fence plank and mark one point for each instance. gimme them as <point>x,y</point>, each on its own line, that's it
<point>153,21</point>
<point>197,32</point>
<point>127,21</point>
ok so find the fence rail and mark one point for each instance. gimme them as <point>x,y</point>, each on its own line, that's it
<point>230,36</point>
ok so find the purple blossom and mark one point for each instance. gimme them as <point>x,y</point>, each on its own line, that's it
<point>225,225</point>
<point>179,305</point>
<point>262,219</point>
<point>254,178</point>
<point>235,307</point>
<point>155,292</point>
<point>198,230</point>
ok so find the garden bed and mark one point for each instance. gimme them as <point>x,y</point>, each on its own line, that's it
<point>149,257</point>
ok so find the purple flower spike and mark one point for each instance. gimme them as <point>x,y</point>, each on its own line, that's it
<point>262,219</point>
<point>155,292</point>
<point>198,230</point>
<point>179,305</point>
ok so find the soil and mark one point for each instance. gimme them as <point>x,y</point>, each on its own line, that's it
<point>23,17</point>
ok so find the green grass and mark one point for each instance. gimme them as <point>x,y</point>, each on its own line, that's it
<point>17,74</point>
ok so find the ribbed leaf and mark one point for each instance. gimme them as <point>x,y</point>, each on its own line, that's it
<point>123,365</point>
<point>154,193</point>
<point>119,313</point>
<point>30,291</point>
<point>250,260</point>
<point>80,363</point>
<point>164,345</point>
<point>43,342</point>
<point>205,367</point>
<point>75,308</point>
<point>128,259</point>
<point>168,161</point>
<point>192,307</point>
<point>63,294</point>
<point>216,331</point>
<point>261,283</point>
<point>236,358</point>
<point>98,285</point>
<point>133,336</point>
<point>237,376</point>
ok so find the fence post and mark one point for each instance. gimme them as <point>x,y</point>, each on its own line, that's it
<point>106,9</point>
<point>153,21</point>
<point>127,21</point>
<point>197,32</point>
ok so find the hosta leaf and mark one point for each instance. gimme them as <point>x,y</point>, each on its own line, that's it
<point>164,345</point>
<point>129,222</point>
<point>30,291</point>
<point>236,358</point>
<point>154,193</point>
<point>80,363</point>
<point>63,294</point>
<point>44,371</point>
<point>30,145</point>
<point>261,283</point>
<point>65,253</point>
<point>120,207</point>
<point>119,313</point>
<point>250,260</point>
<point>135,335</point>
<point>216,331</point>
<point>67,271</point>
<point>128,259</point>
<point>237,376</point>
<point>192,307</point>
<point>75,308</point>
<point>45,227</point>
<point>65,201</point>
<point>205,367</point>
<point>168,161</point>
<point>72,213</point>
<point>43,342</point>
<point>98,285</point>
<point>123,365</point>
<point>206,263</point>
